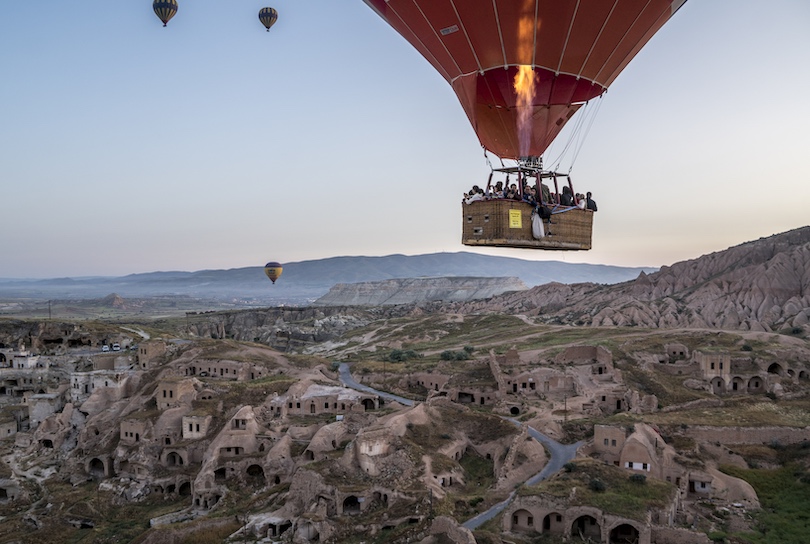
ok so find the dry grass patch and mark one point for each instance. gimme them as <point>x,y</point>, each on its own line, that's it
<point>606,487</point>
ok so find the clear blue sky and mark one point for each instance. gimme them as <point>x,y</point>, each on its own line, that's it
<point>128,147</point>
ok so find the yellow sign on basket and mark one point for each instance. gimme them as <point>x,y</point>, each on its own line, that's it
<point>515,219</point>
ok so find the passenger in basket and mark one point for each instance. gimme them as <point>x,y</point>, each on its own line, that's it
<point>580,201</point>
<point>475,194</point>
<point>567,198</point>
<point>590,203</point>
<point>545,193</point>
<point>528,196</point>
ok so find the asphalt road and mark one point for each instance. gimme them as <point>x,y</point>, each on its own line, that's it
<point>347,380</point>
<point>559,454</point>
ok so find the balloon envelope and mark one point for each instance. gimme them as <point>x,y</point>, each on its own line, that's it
<point>165,9</point>
<point>575,49</point>
<point>268,17</point>
<point>273,271</point>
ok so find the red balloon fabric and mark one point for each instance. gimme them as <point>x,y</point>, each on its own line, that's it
<point>574,48</point>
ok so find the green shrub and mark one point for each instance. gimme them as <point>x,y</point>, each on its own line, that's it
<point>746,347</point>
<point>640,479</point>
<point>597,485</point>
<point>402,355</point>
<point>449,355</point>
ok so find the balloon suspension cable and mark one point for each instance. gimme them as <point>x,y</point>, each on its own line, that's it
<point>578,134</point>
<point>587,131</point>
<point>486,158</point>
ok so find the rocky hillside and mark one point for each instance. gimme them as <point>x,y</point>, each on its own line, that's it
<point>405,291</point>
<point>760,285</point>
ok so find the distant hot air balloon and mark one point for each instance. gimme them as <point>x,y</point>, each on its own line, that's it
<point>522,68</point>
<point>268,17</point>
<point>165,9</point>
<point>273,271</point>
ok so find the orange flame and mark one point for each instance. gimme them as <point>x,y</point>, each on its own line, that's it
<point>524,91</point>
<point>524,83</point>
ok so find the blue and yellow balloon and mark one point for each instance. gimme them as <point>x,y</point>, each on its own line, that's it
<point>268,17</point>
<point>165,9</point>
<point>273,271</point>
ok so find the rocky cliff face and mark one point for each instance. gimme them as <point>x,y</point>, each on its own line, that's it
<point>416,290</point>
<point>760,285</point>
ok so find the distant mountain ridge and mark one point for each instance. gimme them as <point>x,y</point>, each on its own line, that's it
<point>417,290</point>
<point>303,282</point>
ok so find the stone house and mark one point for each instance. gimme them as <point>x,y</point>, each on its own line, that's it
<point>317,399</point>
<point>44,405</point>
<point>642,451</point>
<point>726,375</point>
<point>150,353</point>
<point>228,370</point>
<point>83,384</point>
<point>195,426</point>
<point>546,515</point>
<point>700,483</point>
<point>480,394</point>
<point>8,426</point>
<point>25,360</point>
<point>432,381</point>
<point>540,381</point>
<point>174,392</point>
<point>676,352</point>
<point>134,430</point>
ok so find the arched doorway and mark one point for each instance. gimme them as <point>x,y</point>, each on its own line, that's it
<point>522,520</point>
<point>584,528</point>
<point>255,476</point>
<point>351,505</point>
<point>174,459</point>
<point>624,534</point>
<point>96,468</point>
<point>718,385</point>
<point>553,524</point>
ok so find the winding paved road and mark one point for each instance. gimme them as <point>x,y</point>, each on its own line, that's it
<point>559,454</point>
<point>347,380</point>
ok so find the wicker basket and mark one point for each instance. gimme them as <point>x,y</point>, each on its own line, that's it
<point>508,223</point>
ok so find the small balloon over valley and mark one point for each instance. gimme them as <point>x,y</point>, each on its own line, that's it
<point>273,271</point>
